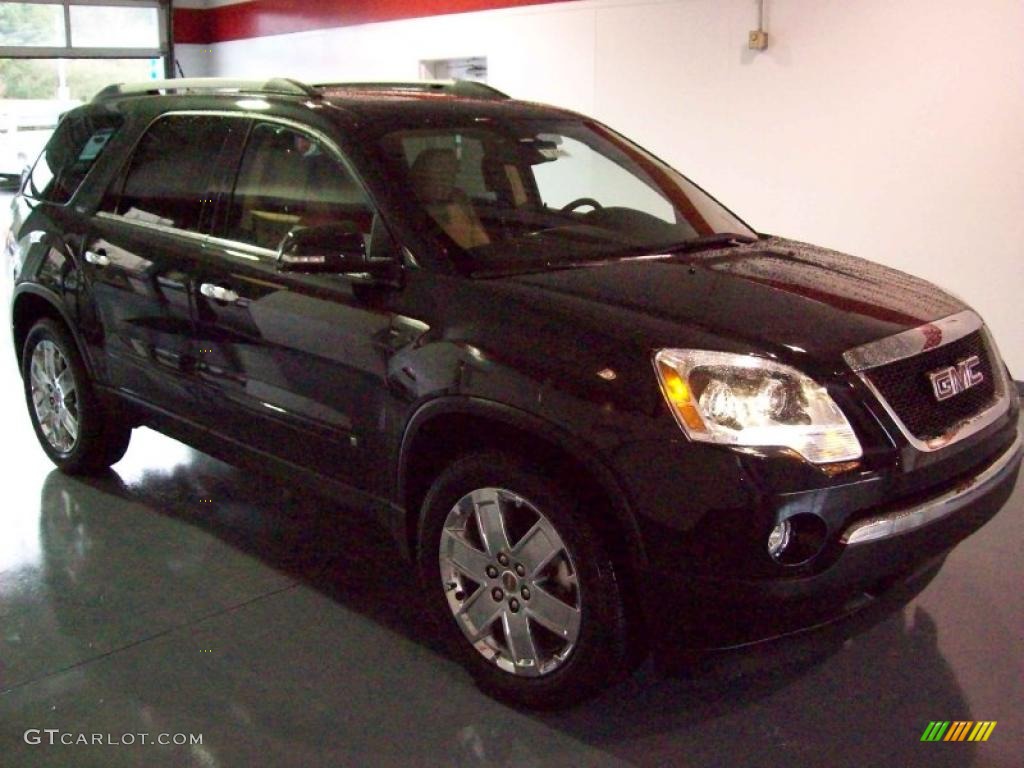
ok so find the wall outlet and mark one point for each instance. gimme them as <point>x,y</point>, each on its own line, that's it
<point>758,40</point>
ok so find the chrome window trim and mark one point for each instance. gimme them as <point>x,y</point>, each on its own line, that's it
<point>261,117</point>
<point>152,225</point>
<point>921,339</point>
<point>258,117</point>
<point>911,518</point>
<point>254,116</point>
<point>335,150</point>
<point>240,249</point>
<point>245,250</point>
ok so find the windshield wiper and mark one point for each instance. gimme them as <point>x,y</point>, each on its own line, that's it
<point>707,242</point>
<point>693,245</point>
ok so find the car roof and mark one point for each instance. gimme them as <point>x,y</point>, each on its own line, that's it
<point>423,99</point>
<point>428,106</point>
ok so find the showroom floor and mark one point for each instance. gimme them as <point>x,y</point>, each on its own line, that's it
<point>177,595</point>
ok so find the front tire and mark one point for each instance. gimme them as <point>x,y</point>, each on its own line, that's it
<point>72,426</point>
<point>520,584</point>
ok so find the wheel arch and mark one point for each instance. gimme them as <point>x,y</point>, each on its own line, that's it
<point>444,428</point>
<point>34,302</point>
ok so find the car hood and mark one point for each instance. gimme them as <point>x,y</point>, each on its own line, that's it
<point>771,296</point>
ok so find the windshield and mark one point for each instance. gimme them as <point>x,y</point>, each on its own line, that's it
<point>529,193</point>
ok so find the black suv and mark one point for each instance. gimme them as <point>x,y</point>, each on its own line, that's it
<point>599,412</point>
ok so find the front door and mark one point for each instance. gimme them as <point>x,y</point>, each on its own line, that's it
<point>294,365</point>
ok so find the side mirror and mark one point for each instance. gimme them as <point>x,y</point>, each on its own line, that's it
<point>326,249</point>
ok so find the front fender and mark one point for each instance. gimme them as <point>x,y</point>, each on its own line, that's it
<point>539,428</point>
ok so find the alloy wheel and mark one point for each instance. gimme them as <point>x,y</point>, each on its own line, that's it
<point>510,582</point>
<point>54,396</point>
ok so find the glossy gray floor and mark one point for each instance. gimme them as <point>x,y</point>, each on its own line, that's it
<point>178,595</point>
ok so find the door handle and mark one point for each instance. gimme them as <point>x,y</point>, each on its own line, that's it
<point>97,258</point>
<point>218,293</point>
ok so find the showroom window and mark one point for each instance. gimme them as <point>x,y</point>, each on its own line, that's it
<point>56,55</point>
<point>467,68</point>
<point>83,28</point>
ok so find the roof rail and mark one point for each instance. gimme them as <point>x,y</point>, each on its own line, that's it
<point>278,86</point>
<point>469,88</point>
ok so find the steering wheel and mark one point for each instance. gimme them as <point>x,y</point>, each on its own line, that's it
<point>580,202</point>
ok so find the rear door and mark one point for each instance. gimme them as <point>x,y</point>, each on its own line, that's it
<point>143,246</point>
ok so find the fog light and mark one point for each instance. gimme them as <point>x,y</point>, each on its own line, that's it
<point>778,539</point>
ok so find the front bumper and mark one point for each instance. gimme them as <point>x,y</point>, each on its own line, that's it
<point>915,516</point>
<point>873,548</point>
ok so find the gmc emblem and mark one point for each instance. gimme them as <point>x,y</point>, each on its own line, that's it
<point>954,379</point>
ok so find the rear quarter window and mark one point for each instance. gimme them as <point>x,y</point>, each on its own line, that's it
<point>70,154</point>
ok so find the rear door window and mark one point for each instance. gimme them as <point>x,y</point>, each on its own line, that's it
<point>169,179</point>
<point>69,155</point>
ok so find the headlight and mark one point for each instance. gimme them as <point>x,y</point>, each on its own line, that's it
<point>730,399</point>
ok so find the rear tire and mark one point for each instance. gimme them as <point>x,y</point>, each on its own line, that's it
<point>72,426</point>
<point>536,615</point>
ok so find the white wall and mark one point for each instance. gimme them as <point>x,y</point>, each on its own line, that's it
<point>892,130</point>
<point>195,60</point>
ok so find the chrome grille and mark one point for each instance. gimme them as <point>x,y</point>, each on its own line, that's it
<point>907,388</point>
<point>896,369</point>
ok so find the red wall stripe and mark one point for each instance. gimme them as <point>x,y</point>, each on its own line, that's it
<point>258,18</point>
<point>190,25</point>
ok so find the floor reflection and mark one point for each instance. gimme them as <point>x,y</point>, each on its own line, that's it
<point>860,699</point>
<point>340,552</point>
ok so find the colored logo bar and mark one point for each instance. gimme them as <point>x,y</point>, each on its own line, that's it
<point>958,730</point>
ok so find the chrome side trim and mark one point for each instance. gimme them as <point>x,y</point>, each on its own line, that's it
<point>912,342</point>
<point>912,518</point>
